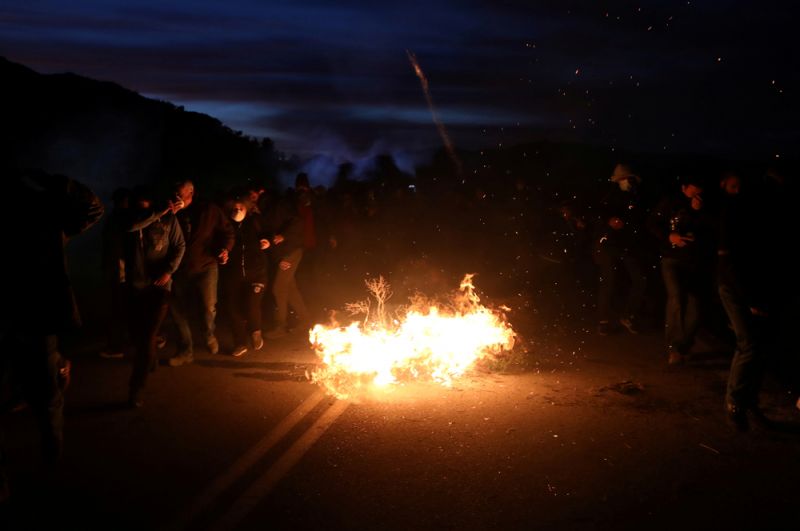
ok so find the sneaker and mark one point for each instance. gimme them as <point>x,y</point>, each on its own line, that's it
<point>276,333</point>
<point>239,351</point>
<point>213,344</point>
<point>112,355</point>
<point>181,359</point>
<point>258,341</point>
<point>630,324</point>
<point>675,358</point>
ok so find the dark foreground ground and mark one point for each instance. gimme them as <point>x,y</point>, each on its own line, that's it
<point>580,432</point>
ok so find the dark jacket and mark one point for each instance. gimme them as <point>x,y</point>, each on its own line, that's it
<point>44,211</point>
<point>675,214</point>
<point>627,207</point>
<point>284,219</point>
<point>246,261</point>
<point>154,246</point>
<point>207,231</point>
<point>742,260</point>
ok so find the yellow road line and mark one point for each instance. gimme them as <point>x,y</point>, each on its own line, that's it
<point>247,461</point>
<point>264,484</point>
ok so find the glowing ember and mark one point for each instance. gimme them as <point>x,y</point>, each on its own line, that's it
<point>425,342</point>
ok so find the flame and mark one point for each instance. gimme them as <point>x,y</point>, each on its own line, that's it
<point>427,342</point>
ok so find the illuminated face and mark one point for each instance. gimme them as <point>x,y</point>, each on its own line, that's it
<point>238,211</point>
<point>626,184</point>
<point>695,193</point>
<point>731,185</point>
<point>186,192</point>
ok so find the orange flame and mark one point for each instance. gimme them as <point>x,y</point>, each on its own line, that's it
<point>427,343</point>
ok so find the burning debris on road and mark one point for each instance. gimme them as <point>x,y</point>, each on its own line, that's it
<point>424,341</point>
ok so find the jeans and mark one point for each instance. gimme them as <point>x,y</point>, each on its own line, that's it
<point>148,310</point>
<point>747,367</point>
<point>184,288</point>
<point>244,308</point>
<point>609,261</point>
<point>287,293</point>
<point>682,282</point>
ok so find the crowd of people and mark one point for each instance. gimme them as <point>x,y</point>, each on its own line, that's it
<point>717,243</point>
<point>170,265</point>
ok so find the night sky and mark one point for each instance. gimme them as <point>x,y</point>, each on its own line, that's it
<point>334,77</point>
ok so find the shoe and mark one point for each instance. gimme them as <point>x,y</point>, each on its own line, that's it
<point>675,358</point>
<point>161,342</point>
<point>181,359</point>
<point>630,324</point>
<point>213,345</point>
<point>258,341</point>
<point>112,355</point>
<point>276,333</point>
<point>239,351</point>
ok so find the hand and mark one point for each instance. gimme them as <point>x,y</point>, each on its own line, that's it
<point>285,266</point>
<point>333,242</point>
<point>264,244</point>
<point>677,240</point>
<point>222,257</point>
<point>176,205</point>
<point>277,239</point>
<point>616,223</point>
<point>163,280</point>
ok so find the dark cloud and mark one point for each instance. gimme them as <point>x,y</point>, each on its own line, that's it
<point>690,75</point>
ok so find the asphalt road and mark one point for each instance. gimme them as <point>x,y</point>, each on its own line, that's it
<point>583,433</point>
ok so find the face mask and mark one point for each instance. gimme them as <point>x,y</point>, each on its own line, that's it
<point>626,185</point>
<point>238,216</point>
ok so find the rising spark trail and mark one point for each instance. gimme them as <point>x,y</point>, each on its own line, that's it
<point>439,125</point>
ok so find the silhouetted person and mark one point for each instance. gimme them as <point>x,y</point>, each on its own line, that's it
<point>114,273</point>
<point>154,249</point>
<point>684,232</point>
<point>617,243</point>
<point>286,251</point>
<point>741,275</point>
<point>43,212</point>
<point>306,205</point>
